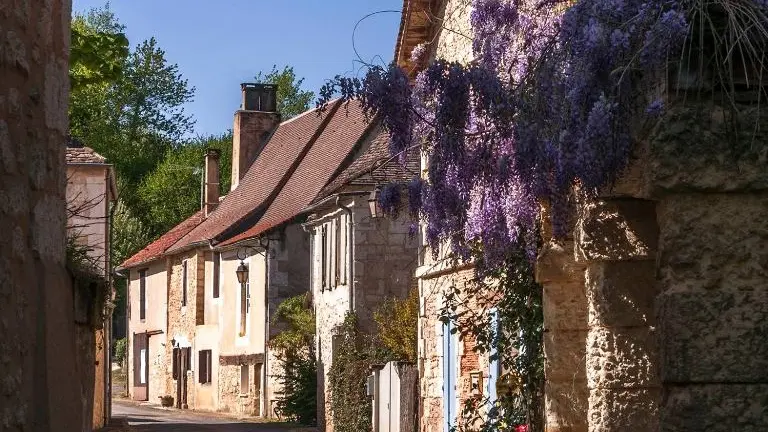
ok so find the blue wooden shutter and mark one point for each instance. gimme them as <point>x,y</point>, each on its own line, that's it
<point>493,367</point>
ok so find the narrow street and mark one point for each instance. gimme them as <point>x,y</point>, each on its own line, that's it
<point>144,418</point>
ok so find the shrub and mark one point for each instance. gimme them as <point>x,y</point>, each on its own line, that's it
<point>121,346</point>
<point>295,348</point>
<point>397,322</point>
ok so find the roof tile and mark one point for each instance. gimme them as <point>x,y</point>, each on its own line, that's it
<point>157,248</point>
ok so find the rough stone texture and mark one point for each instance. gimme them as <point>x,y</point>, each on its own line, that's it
<point>616,238</point>
<point>624,410</point>
<point>37,328</point>
<point>565,321</point>
<point>715,407</point>
<point>713,268</point>
<point>454,42</point>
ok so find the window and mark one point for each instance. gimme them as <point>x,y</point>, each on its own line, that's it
<point>344,248</point>
<point>204,366</point>
<point>142,294</point>
<point>216,275</point>
<point>245,380</point>
<point>336,252</point>
<point>184,283</point>
<point>324,259</point>
<point>245,300</point>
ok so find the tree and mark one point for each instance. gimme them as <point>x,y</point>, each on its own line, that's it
<point>171,192</point>
<point>291,99</point>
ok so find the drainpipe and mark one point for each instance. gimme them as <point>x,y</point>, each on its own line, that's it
<point>351,260</point>
<point>265,381</point>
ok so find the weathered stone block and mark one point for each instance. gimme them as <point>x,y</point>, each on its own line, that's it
<point>621,293</point>
<point>556,263</point>
<point>565,354</point>
<point>695,251</point>
<point>565,306</point>
<point>616,229</point>
<point>718,161</point>
<point>622,358</point>
<point>565,406</point>
<point>719,336</point>
<point>715,408</point>
<point>613,410</point>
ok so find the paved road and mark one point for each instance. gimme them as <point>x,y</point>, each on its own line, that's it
<point>151,419</point>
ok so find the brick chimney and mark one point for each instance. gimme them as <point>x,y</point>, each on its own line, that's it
<point>256,119</point>
<point>211,181</point>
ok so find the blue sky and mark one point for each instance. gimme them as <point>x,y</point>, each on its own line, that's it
<point>218,45</point>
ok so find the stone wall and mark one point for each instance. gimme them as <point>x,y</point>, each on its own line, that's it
<point>183,319</point>
<point>674,264</point>
<point>37,330</point>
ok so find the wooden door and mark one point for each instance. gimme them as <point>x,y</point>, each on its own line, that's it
<point>140,367</point>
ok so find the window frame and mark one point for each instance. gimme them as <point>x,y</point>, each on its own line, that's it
<point>143,294</point>
<point>204,367</point>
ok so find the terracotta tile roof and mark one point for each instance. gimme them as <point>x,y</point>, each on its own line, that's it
<point>157,248</point>
<point>374,165</point>
<point>244,206</point>
<point>326,159</point>
<point>84,155</point>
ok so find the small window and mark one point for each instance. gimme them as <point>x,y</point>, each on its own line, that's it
<point>204,366</point>
<point>216,275</point>
<point>245,380</point>
<point>184,283</point>
<point>142,294</point>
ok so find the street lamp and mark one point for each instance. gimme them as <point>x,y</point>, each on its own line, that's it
<point>373,203</point>
<point>242,272</point>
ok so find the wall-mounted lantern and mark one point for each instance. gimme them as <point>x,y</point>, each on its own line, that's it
<point>373,203</point>
<point>242,273</point>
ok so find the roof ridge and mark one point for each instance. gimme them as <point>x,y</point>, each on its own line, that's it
<point>237,227</point>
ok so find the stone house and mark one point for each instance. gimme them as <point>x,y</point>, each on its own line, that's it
<point>91,192</point>
<point>359,259</point>
<point>216,352</point>
<point>655,304</point>
<point>447,364</point>
<point>147,306</point>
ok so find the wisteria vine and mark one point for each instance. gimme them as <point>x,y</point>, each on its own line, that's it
<point>548,103</point>
<point>552,100</point>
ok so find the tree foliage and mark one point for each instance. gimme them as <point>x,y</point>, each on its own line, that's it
<point>172,191</point>
<point>291,99</point>
<point>295,349</point>
<point>397,323</point>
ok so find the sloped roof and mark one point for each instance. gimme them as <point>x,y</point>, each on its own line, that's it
<point>418,22</point>
<point>83,155</point>
<point>157,248</point>
<point>263,180</point>
<point>374,165</point>
<point>325,160</point>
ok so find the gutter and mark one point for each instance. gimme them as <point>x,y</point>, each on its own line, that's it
<point>333,198</point>
<point>351,259</point>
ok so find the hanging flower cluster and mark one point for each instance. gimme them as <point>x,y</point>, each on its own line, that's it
<point>548,103</point>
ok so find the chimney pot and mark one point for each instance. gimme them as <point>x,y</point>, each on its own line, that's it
<point>259,97</point>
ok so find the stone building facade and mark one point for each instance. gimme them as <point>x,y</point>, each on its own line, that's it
<point>358,262</point>
<point>37,333</point>
<point>654,303</point>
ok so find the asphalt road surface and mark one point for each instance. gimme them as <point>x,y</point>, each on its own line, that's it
<point>143,418</point>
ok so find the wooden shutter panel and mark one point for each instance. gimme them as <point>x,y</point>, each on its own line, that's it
<point>175,363</point>
<point>187,359</point>
<point>202,367</point>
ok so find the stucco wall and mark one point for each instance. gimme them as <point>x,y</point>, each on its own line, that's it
<point>155,320</point>
<point>88,209</point>
<point>37,346</point>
